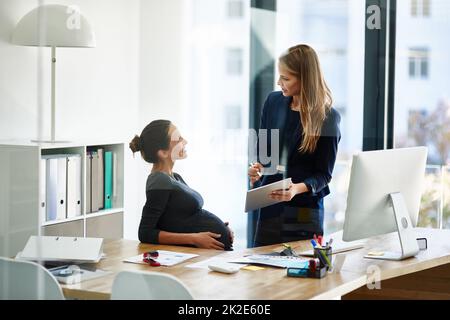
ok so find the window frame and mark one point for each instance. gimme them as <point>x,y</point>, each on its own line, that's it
<point>379,81</point>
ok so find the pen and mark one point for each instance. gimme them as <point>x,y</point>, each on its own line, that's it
<point>325,257</point>
<point>320,240</point>
<point>259,173</point>
<point>314,244</point>
<point>321,254</point>
<point>331,241</point>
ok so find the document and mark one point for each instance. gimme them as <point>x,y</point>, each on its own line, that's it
<point>259,197</point>
<point>165,258</point>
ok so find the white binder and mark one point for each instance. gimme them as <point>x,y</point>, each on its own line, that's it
<point>73,186</point>
<point>88,182</point>
<point>51,184</point>
<point>61,189</point>
<point>67,249</point>
<point>101,179</point>
<point>42,190</point>
<point>94,182</point>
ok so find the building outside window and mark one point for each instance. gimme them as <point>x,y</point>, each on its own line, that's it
<point>233,117</point>
<point>234,61</point>
<point>420,8</point>
<point>418,63</point>
<point>235,9</point>
<point>422,108</point>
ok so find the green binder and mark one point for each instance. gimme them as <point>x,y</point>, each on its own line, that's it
<point>108,179</point>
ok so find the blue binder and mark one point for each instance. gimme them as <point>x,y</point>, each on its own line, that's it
<point>108,179</point>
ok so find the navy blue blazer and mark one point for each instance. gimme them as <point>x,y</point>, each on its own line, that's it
<point>314,169</point>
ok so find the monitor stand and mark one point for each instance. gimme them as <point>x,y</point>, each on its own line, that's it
<point>405,229</point>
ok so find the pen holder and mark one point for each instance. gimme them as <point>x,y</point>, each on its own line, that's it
<point>324,254</point>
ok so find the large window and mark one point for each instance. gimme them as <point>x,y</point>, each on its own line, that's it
<point>335,29</point>
<point>422,108</point>
<point>215,106</point>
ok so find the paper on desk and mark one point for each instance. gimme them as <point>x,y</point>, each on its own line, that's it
<point>165,258</point>
<point>80,274</point>
<point>205,263</point>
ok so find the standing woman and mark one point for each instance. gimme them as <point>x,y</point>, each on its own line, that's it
<point>309,135</point>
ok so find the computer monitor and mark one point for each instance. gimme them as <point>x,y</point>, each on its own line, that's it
<point>384,196</point>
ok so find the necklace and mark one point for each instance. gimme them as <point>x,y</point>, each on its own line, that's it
<point>295,108</point>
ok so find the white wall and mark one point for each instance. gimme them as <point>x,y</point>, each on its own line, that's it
<point>97,94</point>
<point>160,81</point>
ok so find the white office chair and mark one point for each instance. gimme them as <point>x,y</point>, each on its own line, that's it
<point>25,280</point>
<point>139,285</point>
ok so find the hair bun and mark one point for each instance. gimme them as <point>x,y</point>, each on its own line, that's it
<point>135,144</point>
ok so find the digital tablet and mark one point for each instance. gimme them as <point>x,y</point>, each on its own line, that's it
<point>259,197</point>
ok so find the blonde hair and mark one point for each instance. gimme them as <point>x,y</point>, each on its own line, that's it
<point>315,96</point>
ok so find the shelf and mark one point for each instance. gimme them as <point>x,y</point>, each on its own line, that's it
<point>104,212</point>
<point>26,174</point>
<point>49,223</point>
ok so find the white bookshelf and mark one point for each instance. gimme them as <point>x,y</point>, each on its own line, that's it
<point>20,199</point>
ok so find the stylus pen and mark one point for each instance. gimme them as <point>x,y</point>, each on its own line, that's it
<point>259,173</point>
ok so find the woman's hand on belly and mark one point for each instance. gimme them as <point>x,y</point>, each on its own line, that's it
<point>231,232</point>
<point>207,240</point>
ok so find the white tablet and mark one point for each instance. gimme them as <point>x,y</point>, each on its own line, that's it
<point>259,197</point>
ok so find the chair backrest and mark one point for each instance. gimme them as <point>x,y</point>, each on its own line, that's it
<point>26,280</point>
<point>139,285</point>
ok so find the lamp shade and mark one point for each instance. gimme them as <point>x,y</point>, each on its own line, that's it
<point>54,25</point>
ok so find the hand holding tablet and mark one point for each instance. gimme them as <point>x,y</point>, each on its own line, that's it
<point>260,197</point>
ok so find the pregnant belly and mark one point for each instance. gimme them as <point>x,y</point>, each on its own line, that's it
<point>205,221</point>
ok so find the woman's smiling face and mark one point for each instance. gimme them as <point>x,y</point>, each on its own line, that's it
<point>177,144</point>
<point>289,83</point>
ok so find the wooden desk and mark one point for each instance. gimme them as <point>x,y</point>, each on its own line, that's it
<point>272,283</point>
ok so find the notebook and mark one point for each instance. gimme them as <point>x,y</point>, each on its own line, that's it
<point>70,249</point>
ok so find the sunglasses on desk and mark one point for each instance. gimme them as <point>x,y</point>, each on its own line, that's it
<point>149,258</point>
